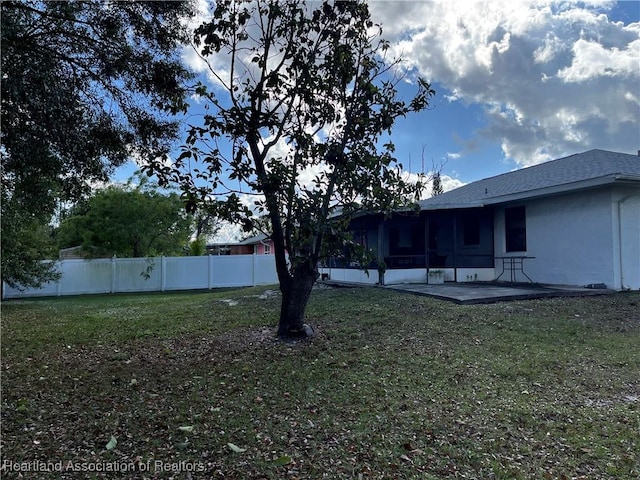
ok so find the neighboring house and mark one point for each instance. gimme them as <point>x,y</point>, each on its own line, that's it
<point>71,253</point>
<point>572,221</point>
<point>80,252</point>
<point>258,245</point>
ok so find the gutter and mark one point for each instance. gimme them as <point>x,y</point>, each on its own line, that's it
<point>565,188</point>
<point>265,244</point>
<point>612,179</point>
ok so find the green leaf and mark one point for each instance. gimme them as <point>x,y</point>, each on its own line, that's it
<point>187,428</point>
<point>112,443</point>
<point>71,142</point>
<point>235,448</point>
<point>23,405</point>
<point>282,460</point>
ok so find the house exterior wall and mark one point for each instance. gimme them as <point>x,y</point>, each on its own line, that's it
<point>349,275</point>
<point>241,249</point>
<point>570,236</point>
<point>261,248</point>
<point>577,238</point>
<point>405,275</point>
<point>626,232</point>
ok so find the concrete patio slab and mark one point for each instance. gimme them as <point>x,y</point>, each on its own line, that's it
<point>471,293</point>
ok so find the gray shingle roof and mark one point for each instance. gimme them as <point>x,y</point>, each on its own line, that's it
<point>573,172</point>
<point>255,239</point>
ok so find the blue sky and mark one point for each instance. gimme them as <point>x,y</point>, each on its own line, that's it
<point>517,82</point>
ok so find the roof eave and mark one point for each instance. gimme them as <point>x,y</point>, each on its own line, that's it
<point>450,206</point>
<point>565,188</point>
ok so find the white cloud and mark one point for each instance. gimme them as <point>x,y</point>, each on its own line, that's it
<point>305,177</point>
<point>228,233</point>
<point>554,78</point>
<point>592,60</point>
<point>448,182</point>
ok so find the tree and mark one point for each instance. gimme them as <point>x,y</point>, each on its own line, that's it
<point>29,239</point>
<point>128,222</point>
<point>85,86</point>
<point>437,185</point>
<point>306,92</point>
<point>207,225</point>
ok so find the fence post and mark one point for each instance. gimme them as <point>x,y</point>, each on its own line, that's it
<point>253,271</point>
<point>59,281</point>
<point>114,273</point>
<point>163,271</point>
<point>209,270</point>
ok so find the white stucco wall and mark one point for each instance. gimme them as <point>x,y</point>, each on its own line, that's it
<point>476,274</point>
<point>626,225</point>
<point>571,237</point>
<point>406,275</point>
<point>350,275</point>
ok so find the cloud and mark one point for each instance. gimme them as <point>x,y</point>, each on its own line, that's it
<point>592,60</point>
<point>448,182</point>
<point>228,233</point>
<point>553,78</point>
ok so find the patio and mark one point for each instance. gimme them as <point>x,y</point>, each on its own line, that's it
<point>475,292</point>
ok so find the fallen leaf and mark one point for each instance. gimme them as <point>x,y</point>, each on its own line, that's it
<point>112,443</point>
<point>236,448</point>
<point>282,460</point>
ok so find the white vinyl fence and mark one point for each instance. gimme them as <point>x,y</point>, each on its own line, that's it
<point>157,274</point>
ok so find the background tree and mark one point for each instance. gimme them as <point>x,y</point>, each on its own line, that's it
<point>436,188</point>
<point>128,221</point>
<point>207,225</point>
<point>304,91</point>
<point>28,238</point>
<point>85,86</point>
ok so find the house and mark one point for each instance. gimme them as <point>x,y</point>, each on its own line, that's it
<point>81,252</point>
<point>571,221</point>
<point>71,253</point>
<point>259,244</point>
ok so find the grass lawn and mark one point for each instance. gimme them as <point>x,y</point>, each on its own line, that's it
<point>195,386</point>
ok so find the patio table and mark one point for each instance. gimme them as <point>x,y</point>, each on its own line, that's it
<point>514,264</point>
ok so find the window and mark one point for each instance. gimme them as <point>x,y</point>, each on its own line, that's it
<point>471,230</point>
<point>267,249</point>
<point>515,227</point>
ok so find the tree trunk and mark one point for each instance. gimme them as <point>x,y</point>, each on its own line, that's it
<point>295,297</point>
